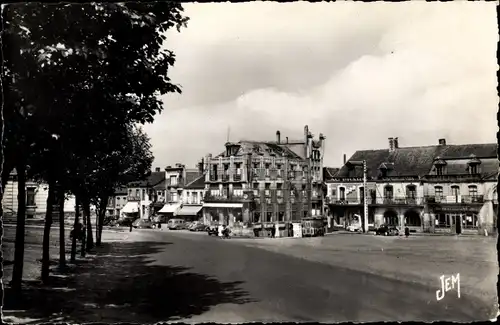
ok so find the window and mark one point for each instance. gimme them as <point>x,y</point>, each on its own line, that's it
<point>438,193</point>
<point>267,169</point>
<point>137,193</point>
<point>443,221</point>
<point>143,194</point>
<point>439,170</point>
<point>30,196</point>
<point>388,192</point>
<point>173,179</point>
<point>411,191</point>
<point>473,169</point>
<point>361,193</point>
<point>279,191</point>
<point>281,216</point>
<point>470,221</point>
<point>455,190</point>
<point>341,193</point>
<point>256,216</point>
<point>473,191</point>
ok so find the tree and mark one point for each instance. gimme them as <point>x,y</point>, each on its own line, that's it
<point>105,70</point>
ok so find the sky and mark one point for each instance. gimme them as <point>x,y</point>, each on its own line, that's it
<point>356,72</point>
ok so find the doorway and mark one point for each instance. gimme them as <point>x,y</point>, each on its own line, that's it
<point>458,224</point>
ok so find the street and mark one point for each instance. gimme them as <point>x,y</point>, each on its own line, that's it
<point>152,275</point>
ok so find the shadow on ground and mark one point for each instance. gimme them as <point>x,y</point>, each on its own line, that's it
<point>121,285</point>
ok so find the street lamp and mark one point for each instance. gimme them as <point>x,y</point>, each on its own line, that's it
<point>365,201</point>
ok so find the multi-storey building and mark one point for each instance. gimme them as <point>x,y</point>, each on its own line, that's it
<point>192,199</point>
<point>431,188</point>
<point>117,201</point>
<point>265,182</point>
<point>36,198</point>
<point>176,178</point>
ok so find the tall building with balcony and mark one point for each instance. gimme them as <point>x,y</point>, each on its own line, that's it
<point>449,188</point>
<point>265,182</point>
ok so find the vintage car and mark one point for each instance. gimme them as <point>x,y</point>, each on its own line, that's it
<point>387,230</point>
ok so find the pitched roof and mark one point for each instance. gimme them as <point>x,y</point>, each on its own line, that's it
<point>414,161</point>
<point>121,191</point>
<point>198,183</point>
<point>264,148</point>
<point>153,179</point>
<point>191,175</point>
<point>329,172</point>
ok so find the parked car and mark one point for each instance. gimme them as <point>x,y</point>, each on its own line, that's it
<point>387,230</point>
<point>198,227</point>
<point>176,224</point>
<point>142,224</point>
<point>126,221</point>
<point>212,230</point>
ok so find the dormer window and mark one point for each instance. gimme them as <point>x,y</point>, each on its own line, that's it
<point>439,165</point>
<point>474,164</point>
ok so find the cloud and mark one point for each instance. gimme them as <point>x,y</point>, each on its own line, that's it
<point>358,74</point>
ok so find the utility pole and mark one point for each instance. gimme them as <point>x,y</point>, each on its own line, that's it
<point>365,219</point>
<point>365,204</point>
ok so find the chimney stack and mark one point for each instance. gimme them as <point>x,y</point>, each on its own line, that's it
<point>287,140</point>
<point>442,142</point>
<point>278,136</point>
<point>157,169</point>
<point>396,143</point>
<point>391,144</point>
<point>345,158</point>
<point>201,166</point>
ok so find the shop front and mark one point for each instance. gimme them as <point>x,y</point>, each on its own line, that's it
<point>190,213</point>
<point>229,214</point>
<point>169,211</point>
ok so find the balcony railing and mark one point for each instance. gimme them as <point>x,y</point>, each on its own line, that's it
<point>228,197</point>
<point>451,199</point>
<point>237,177</point>
<point>378,201</point>
<point>133,198</point>
<point>213,177</point>
<point>225,177</point>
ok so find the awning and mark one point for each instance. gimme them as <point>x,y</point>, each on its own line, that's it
<point>189,210</point>
<point>223,205</point>
<point>131,207</point>
<point>170,208</point>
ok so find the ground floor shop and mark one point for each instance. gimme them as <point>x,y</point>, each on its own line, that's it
<point>190,213</point>
<point>343,216</point>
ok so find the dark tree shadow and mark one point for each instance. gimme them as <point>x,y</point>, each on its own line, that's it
<point>122,285</point>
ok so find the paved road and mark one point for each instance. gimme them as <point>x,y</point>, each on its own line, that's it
<point>149,276</point>
<point>285,288</point>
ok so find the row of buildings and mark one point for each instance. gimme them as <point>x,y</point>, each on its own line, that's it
<point>442,187</point>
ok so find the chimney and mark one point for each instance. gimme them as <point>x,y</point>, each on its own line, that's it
<point>278,136</point>
<point>201,166</point>
<point>345,159</point>
<point>391,144</point>
<point>442,142</point>
<point>287,140</point>
<point>157,169</point>
<point>396,143</point>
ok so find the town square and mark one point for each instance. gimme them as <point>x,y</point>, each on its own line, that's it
<point>159,166</point>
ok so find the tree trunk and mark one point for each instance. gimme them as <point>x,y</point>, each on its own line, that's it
<point>62,237</point>
<point>100,224</point>
<point>84,235</point>
<point>90,239</point>
<point>75,225</point>
<point>17,274</point>
<point>46,234</point>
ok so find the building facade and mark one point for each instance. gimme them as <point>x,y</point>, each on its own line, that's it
<point>265,182</point>
<point>117,202</point>
<point>36,198</point>
<point>192,199</point>
<point>448,188</point>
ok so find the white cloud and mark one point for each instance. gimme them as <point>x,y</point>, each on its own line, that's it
<point>356,72</point>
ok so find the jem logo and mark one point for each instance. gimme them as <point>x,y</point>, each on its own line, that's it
<point>448,283</point>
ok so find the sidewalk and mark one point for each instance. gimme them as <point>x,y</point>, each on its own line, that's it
<point>119,284</point>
